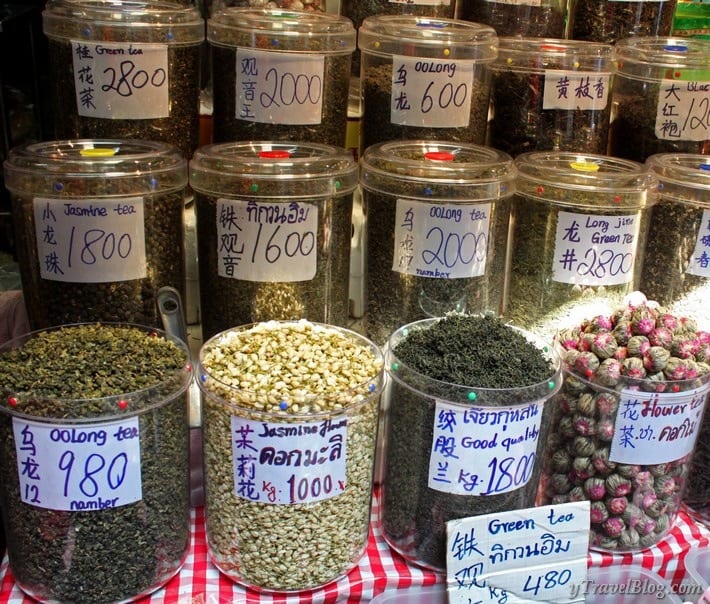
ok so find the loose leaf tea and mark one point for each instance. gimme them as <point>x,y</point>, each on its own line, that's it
<point>98,373</point>
<point>542,20</point>
<point>610,20</point>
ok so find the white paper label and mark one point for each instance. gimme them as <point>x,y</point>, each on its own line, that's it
<point>518,2</point>
<point>522,556</point>
<point>575,90</point>
<point>268,242</point>
<point>653,428</point>
<point>595,249</point>
<point>279,88</point>
<point>700,261</point>
<point>442,241</point>
<point>289,463</point>
<point>90,241</point>
<point>431,93</point>
<point>683,110</point>
<point>80,467</point>
<point>483,451</point>
<point>118,80</point>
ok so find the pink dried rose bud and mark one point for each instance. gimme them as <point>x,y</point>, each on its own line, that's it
<point>632,515</point>
<point>646,526</point>
<point>604,345</point>
<point>633,368</point>
<point>586,364</point>
<point>668,321</point>
<point>577,494</point>
<point>660,336</point>
<point>616,505</point>
<point>608,373</point>
<point>665,486</point>
<point>605,430</point>
<point>621,353</point>
<point>622,332</point>
<point>684,347</point>
<point>613,526</point>
<point>628,470</point>
<point>703,336</point>
<point>601,463</point>
<point>676,369</point>
<point>660,469</point>
<point>584,425</point>
<point>606,403</point>
<point>649,498</point>
<point>618,486</point>
<point>643,319</point>
<point>598,323</point>
<point>598,512</point>
<point>643,480</point>
<point>657,509</point>
<point>655,359</point>
<point>637,346</point>
<point>595,488</point>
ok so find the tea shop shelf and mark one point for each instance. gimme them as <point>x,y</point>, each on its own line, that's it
<point>380,569</point>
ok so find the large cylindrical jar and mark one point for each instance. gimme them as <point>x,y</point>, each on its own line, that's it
<point>436,219</point>
<point>98,225</point>
<point>126,69</point>
<point>425,78</point>
<point>280,75</point>
<point>95,464</point>
<point>579,223</point>
<point>659,97</point>
<point>274,222</point>
<point>526,18</point>
<point>550,94</point>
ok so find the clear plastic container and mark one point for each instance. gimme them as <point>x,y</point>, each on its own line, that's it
<point>658,97</point>
<point>97,417</point>
<point>550,94</point>
<point>99,228</point>
<point>697,565</point>
<point>425,78</point>
<point>579,225</point>
<point>280,75</point>
<point>274,221</point>
<point>290,421</point>
<point>125,69</point>
<point>436,218</point>
<point>526,18</point>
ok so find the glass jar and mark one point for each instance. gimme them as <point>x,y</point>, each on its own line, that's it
<point>99,228</point>
<point>274,223</point>
<point>436,220</point>
<point>526,18</point>
<point>280,75</point>
<point>550,95</point>
<point>125,69</point>
<point>658,97</point>
<point>425,78</point>
<point>461,444</point>
<point>97,416</point>
<point>579,223</point>
<point>289,448</point>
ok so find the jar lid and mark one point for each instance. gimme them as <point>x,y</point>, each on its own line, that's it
<point>573,180</point>
<point>437,170</point>
<point>85,168</point>
<point>538,54</point>
<point>268,169</point>
<point>682,177</point>
<point>281,30</point>
<point>123,21</point>
<point>427,37</point>
<point>690,53</point>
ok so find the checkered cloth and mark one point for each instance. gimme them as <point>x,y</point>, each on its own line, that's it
<point>380,569</point>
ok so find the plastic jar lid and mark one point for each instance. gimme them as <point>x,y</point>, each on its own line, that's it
<point>123,21</point>
<point>282,30</point>
<point>682,177</point>
<point>648,57</point>
<point>538,54</point>
<point>427,37</point>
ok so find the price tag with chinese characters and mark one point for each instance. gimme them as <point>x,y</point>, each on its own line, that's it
<point>90,241</point>
<point>279,88</point>
<point>683,109</point>
<point>289,463</point>
<point>431,93</point>
<point>700,260</point>
<point>595,250</point>
<point>120,80</point>
<point>521,556</point>
<point>574,90</point>
<point>270,242</point>
<point>78,468</point>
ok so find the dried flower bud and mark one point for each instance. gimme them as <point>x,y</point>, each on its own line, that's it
<point>646,525</point>
<point>585,404</point>
<point>561,461</point>
<point>676,369</point>
<point>609,543</point>
<point>656,509</point>
<point>628,470</point>
<point>648,499</point>
<point>606,404</point>
<point>632,515</point>
<point>608,373</point>
<point>570,357</point>
<point>617,486</point>
<point>586,364</point>
<point>660,336</point>
<point>665,486</point>
<point>629,539</point>
<point>648,540</point>
<point>616,505</point>
<point>656,359</point>
<point>622,332</point>
<point>565,426</point>
<point>637,346</point>
<point>633,367</point>
<point>558,499</point>
<point>577,494</point>
<point>604,345</point>
<point>613,526</point>
<point>621,353</point>
<point>584,425</point>
<point>560,484</point>
<point>655,382</point>
<point>668,321</point>
<point>595,488</point>
<point>601,463</point>
<point>663,523</point>
<point>574,386</point>
<point>659,469</point>
<point>598,512</point>
<point>582,446</point>
<point>566,404</point>
<point>684,347</point>
<point>605,430</point>
<point>643,480</point>
<point>643,320</point>
<point>597,324</point>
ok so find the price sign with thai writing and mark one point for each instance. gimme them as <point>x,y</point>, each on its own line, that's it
<point>595,249</point>
<point>575,90</point>
<point>279,88</point>
<point>700,260</point>
<point>431,93</point>
<point>78,467</point>
<point>521,556</point>
<point>683,110</point>
<point>118,80</point>
<point>90,241</point>
<point>444,241</point>
<point>481,451</point>
<point>653,428</point>
<point>271,242</point>
<point>289,463</point>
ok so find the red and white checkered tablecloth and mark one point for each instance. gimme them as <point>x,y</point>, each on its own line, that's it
<point>380,569</point>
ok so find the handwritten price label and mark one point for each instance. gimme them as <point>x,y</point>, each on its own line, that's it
<point>683,110</point>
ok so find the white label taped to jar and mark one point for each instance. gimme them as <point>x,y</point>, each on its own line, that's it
<point>442,241</point>
<point>282,463</point>
<point>82,467</point>
<point>595,250</point>
<point>652,428</point>
<point>90,241</point>
<point>279,88</point>
<point>431,93</point>
<point>683,110</point>
<point>267,242</point>
<point>700,260</point>
<point>483,451</point>
<point>575,90</point>
<point>119,80</point>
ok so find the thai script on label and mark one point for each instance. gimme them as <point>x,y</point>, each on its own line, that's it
<point>700,260</point>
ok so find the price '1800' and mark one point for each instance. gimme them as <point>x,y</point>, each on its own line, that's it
<point>94,245</point>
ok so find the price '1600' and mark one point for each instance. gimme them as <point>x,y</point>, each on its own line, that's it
<point>281,242</point>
